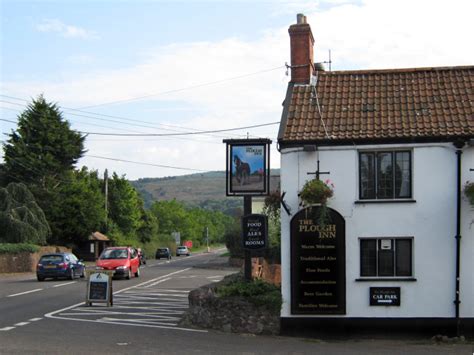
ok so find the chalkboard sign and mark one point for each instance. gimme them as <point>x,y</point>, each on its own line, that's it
<point>99,288</point>
<point>98,291</point>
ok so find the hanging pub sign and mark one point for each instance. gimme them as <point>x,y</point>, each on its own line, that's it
<point>254,231</point>
<point>247,167</point>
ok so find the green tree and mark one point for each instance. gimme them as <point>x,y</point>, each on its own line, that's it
<point>125,205</point>
<point>171,216</point>
<point>21,219</point>
<point>78,208</point>
<point>43,148</point>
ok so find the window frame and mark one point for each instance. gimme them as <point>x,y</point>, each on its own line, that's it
<point>376,196</point>
<point>396,269</point>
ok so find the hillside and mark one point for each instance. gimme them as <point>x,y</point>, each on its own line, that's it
<point>206,190</point>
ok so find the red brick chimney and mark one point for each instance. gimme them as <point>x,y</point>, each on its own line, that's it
<point>301,42</point>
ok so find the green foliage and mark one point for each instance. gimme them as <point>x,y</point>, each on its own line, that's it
<point>256,291</point>
<point>316,191</point>
<point>272,209</point>
<point>125,205</point>
<point>469,192</point>
<point>43,147</point>
<point>77,208</point>
<point>17,248</point>
<point>21,219</point>
<point>233,239</point>
<point>191,223</point>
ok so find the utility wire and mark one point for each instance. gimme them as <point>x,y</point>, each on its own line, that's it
<point>108,120</point>
<point>184,88</point>
<point>142,163</point>
<point>178,134</point>
<point>156,94</point>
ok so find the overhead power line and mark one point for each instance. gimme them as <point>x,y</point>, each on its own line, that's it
<point>142,163</point>
<point>2,119</point>
<point>184,88</point>
<point>178,134</point>
<point>176,128</point>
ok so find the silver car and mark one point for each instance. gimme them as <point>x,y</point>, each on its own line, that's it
<point>182,250</point>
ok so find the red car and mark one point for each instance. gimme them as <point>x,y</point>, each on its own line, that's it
<point>124,260</point>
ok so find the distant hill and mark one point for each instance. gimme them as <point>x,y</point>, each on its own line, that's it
<point>206,190</point>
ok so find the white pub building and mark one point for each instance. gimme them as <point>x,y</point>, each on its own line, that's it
<point>397,250</point>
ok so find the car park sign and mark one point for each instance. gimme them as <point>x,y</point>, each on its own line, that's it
<point>254,231</point>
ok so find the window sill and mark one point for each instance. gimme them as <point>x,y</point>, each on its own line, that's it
<point>371,279</point>
<point>358,202</point>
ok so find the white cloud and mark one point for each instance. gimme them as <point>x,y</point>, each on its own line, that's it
<point>66,31</point>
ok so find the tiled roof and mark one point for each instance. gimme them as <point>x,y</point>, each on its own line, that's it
<point>98,236</point>
<point>377,105</point>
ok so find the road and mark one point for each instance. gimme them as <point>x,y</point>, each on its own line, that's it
<point>50,317</point>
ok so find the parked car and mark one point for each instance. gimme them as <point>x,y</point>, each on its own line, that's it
<point>163,253</point>
<point>141,255</point>
<point>182,250</point>
<point>56,265</point>
<point>124,260</point>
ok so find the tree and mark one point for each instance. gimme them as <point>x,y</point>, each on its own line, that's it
<point>21,219</point>
<point>43,148</point>
<point>125,205</point>
<point>78,208</point>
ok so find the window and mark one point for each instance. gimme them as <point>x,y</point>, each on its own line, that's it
<point>385,175</point>
<point>382,257</point>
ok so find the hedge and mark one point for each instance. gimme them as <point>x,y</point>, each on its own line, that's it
<point>17,248</point>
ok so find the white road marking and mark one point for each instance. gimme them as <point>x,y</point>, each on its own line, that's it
<point>21,324</point>
<point>6,329</point>
<point>158,282</point>
<point>34,319</point>
<point>58,314</point>
<point>67,283</point>
<point>26,292</point>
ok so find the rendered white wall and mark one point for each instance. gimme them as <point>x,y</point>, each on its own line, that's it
<point>431,220</point>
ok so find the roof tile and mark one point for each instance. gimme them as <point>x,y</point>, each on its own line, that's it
<point>398,103</point>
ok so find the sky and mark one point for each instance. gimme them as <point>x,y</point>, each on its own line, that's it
<point>185,66</point>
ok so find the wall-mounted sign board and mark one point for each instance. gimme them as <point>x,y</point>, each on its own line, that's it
<point>385,296</point>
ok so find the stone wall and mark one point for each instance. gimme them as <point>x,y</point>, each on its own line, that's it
<point>228,314</point>
<point>26,262</point>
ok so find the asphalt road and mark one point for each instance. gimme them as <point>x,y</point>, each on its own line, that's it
<point>50,317</point>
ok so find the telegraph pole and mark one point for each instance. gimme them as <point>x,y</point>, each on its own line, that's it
<point>106,188</point>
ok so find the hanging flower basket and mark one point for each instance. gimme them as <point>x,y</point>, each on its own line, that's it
<point>469,192</point>
<point>316,192</point>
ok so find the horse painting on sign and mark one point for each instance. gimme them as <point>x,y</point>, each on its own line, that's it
<point>242,171</point>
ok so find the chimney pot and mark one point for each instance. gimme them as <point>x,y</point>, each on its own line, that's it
<point>300,19</point>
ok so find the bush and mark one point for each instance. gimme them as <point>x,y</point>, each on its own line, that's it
<point>469,192</point>
<point>17,248</point>
<point>233,240</point>
<point>259,292</point>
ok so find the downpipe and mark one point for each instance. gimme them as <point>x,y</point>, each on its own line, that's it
<point>457,300</point>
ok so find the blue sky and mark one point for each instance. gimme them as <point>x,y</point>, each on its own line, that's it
<point>163,66</point>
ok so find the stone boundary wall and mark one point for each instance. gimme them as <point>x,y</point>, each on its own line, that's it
<point>229,314</point>
<point>26,262</point>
